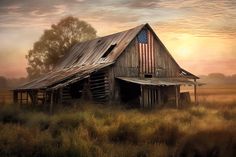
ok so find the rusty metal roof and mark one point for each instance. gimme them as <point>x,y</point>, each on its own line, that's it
<point>91,52</point>
<point>158,81</point>
<point>85,58</point>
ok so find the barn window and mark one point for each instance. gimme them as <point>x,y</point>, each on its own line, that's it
<point>148,75</point>
<point>142,37</point>
<point>108,51</point>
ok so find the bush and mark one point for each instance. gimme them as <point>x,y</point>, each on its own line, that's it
<point>11,114</point>
<point>15,140</point>
<point>210,143</point>
<point>197,111</point>
<point>125,132</point>
<point>228,114</point>
<point>38,120</point>
<point>166,133</point>
<point>64,122</point>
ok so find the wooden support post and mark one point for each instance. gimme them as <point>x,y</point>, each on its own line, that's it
<point>44,97</point>
<point>51,102</point>
<point>20,97</point>
<point>27,102</point>
<point>145,98</point>
<point>15,97</point>
<point>33,97</point>
<point>177,96</point>
<point>60,95</point>
<point>142,96</point>
<point>195,92</point>
<point>159,96</point>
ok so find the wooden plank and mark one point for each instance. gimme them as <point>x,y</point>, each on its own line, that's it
<point>106,86</point>
<point>99,95</point>
<point>98,84</point>
<point>100,80</point>
<point>141,96</point>
<point>15,97</point>
<point>176,96</point>
<point>145,97</point>
<point>51,103</point>
<point>159,96</point>
<point>101,91</point>
<point>27,98</point>
<point>149,97</point>
<point>195,92</point>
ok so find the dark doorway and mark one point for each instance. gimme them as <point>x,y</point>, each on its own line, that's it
<point>130,93</point>
<point>76,89</point>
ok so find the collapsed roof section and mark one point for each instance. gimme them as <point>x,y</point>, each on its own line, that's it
<point>63,76</point>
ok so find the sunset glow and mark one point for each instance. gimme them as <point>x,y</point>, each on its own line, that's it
<point>201,35</point>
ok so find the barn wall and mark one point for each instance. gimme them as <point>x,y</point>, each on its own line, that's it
<point>165,65</point>
<point>128,64</point>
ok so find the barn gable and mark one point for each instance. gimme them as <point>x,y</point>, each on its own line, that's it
<point>147,55</point>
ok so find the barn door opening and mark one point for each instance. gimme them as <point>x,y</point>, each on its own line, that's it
<point>99,86</point>
<point>130,93</point>
<point>146,54</point>
<point>76,89</point>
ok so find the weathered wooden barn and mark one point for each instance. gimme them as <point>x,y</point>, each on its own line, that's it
<point>129,66</point>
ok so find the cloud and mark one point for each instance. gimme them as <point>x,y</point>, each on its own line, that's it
<point>200,17</point>
<point>22,21</point>
<point>27,13</point>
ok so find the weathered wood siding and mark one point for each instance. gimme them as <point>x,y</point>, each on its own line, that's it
<point>165,65</point>
<point>128,64</point>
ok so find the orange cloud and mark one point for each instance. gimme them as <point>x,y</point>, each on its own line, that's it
<point>198,33</point>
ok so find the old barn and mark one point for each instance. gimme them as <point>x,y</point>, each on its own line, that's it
<point>132,66</point>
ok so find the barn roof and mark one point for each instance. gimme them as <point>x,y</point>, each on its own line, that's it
<point>87,57</point>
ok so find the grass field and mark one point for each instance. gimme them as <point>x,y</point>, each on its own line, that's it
<point>94,130</point>
<point>223,93</point>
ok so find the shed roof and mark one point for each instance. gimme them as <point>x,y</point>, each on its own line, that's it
<point>158,81</point>
<point>62,76</point>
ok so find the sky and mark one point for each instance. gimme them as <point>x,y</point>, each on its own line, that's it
<point>200,34</point>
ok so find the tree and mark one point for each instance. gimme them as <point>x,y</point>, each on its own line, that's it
<point>55,42</point>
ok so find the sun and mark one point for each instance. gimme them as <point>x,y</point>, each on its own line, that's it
<point>183,51</point>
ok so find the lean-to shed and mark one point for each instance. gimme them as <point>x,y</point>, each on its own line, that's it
<point>129,66</point>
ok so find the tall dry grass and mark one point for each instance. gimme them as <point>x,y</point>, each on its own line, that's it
<point>91,130</point>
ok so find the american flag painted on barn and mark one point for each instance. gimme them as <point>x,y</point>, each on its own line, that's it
<point>146,53</point>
